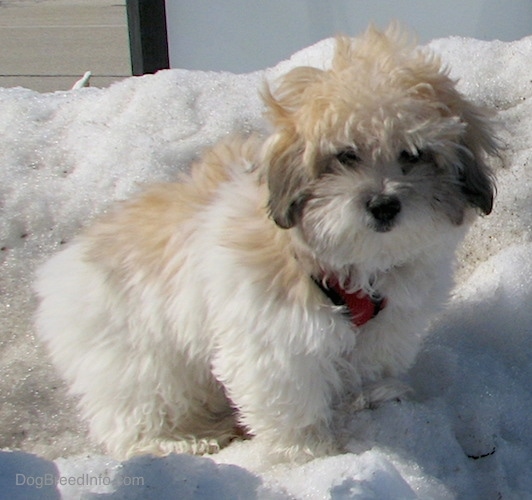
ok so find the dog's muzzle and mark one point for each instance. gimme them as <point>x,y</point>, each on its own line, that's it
<point>384,209</point>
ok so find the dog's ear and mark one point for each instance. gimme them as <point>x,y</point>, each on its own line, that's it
<point>284,103</point>
<point>476,177</point>
<point>429,80</point>
<point>476,180</point>
<point>288,155</point>
<point>478,140</point>
<point>287,179</point>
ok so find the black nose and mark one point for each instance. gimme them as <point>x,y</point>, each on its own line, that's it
<point>384,208</point>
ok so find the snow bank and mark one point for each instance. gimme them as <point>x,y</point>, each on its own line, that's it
<point>465,433</point>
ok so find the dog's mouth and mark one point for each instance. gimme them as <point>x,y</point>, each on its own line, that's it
<point>383,210</point>
<point>382,227</point>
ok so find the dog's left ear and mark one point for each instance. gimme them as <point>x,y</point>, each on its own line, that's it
<point>476,177</point>
<point>478,140</point>
<point>477,181</point>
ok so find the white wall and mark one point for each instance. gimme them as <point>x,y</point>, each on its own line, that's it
<point>246,35</point>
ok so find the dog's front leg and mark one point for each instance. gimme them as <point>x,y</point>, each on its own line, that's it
<point>283,394</point>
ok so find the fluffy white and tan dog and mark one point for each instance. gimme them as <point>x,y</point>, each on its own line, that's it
<point>284,276</point>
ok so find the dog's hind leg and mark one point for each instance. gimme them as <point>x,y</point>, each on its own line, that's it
<point>139,391</point>
<point>160,414</point>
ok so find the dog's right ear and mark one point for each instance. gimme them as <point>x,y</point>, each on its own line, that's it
<point>290,94</point>
<point>287,158</point>
<point>287,179</point>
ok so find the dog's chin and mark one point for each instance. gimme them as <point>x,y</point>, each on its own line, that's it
<point>381,226</point>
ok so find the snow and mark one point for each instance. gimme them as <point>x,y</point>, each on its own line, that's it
<point>465,431</point>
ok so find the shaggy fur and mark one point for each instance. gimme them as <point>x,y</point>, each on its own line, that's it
<point>190,315</point>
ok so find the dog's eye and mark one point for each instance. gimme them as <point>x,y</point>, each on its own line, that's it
<point>408,157</point>
<point>348,157</point>
<point>409,160</point>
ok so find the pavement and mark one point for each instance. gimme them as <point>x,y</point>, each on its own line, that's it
<point>48,45</point>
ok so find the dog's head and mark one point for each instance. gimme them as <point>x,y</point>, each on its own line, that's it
<point>380,141</point>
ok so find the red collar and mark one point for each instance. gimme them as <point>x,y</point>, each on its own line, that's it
<point>360,306</point>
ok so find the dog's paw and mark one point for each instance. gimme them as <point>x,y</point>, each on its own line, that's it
<point>163,447</point>
<point>301,446</point>
<point>378,393</point>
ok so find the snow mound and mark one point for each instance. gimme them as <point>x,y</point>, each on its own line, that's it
<point>465,433</point>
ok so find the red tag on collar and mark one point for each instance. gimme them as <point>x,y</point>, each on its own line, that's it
<point>361,306</point>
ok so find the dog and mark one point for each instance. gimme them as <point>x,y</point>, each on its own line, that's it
<point>286,274</point>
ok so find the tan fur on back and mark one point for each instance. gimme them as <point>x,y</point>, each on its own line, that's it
<point>150,221</point>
